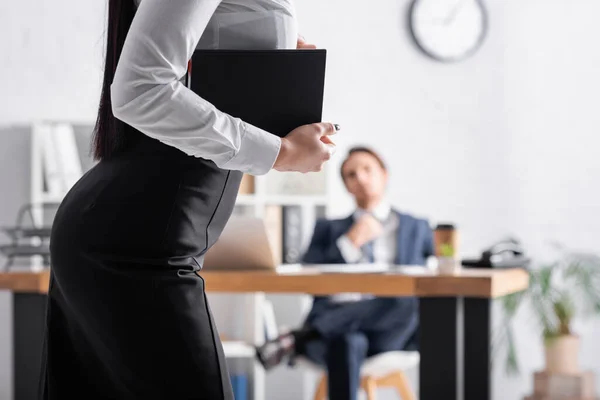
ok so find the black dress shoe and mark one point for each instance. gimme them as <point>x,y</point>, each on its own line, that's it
<point>273,352</point>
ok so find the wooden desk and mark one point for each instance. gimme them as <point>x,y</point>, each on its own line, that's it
<point>455,317</point>
<point>482,283</point>
<point>454,312</point>
<point>25,282</point>
<point>469,283</point>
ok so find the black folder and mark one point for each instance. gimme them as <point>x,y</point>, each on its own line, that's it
<point>276,90</point>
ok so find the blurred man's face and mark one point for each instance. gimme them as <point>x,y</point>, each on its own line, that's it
<point>364,177</point>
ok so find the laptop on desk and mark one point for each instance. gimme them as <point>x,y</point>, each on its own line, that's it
<point>243,245</point>
<point>275,90</point>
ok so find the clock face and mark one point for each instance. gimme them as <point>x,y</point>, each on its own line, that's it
<point>448,30</point>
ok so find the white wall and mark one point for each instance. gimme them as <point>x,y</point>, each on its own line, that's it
<point>502,143</point>
<point>51,59</point>
<point>50,68</point>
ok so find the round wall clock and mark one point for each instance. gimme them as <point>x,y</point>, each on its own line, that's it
<point>448,30</point>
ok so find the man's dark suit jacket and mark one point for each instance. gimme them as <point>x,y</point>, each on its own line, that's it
<point>414,244</point>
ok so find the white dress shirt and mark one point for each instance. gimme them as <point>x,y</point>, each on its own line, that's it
<point>148,93</point>
<point>384,246</point>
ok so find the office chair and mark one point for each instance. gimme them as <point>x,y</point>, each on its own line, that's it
<point>382,370</point>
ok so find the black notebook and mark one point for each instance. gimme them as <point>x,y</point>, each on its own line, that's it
<point>276,90</point>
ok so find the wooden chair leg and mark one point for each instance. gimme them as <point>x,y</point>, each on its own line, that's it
<point>370,387</point>
<point>321,392</point>
<point>403,386</point>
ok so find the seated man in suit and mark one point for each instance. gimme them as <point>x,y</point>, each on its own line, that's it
<point>342,330</point>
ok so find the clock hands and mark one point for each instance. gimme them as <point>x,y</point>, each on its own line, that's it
<point>453,12</point>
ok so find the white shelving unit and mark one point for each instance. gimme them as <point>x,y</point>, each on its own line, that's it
<point>55,167</point>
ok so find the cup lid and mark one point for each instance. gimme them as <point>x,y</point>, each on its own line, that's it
<point>445,227</point>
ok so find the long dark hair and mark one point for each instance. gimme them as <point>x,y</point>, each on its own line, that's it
<point>109,136</point>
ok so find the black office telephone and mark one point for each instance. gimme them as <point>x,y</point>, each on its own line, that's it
<point>507,253</point>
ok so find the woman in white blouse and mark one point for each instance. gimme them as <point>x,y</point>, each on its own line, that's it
<point>127,314</point>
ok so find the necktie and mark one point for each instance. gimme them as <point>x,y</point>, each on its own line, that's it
<point>369,251</point>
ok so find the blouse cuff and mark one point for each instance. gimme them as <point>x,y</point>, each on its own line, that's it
<point>258,151</point>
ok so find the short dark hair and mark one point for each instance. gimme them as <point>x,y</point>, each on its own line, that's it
<point>362,149</point>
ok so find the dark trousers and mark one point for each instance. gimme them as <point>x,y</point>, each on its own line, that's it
<point>351,332</point>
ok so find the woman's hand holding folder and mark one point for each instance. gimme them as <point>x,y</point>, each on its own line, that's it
<point>301,43</point>
<point>306,148</point>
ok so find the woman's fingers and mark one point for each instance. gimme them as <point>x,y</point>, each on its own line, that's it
<point>302,44</point>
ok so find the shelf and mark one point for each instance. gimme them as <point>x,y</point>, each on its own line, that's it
<point>238,349</point>
<point>246,200</point>
<point>24,250</point>
<point>50,198</point>
<point>20,233</point>
<point>293,199</point>
<point>295,183</point>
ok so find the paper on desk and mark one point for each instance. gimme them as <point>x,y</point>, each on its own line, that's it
<point>414,270</point>
<point>336,268</point>
<point>355,268</point>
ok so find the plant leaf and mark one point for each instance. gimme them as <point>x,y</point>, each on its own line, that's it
<point>512,362</point>
<point>557,293</point>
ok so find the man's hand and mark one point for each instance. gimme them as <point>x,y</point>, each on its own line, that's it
<point>301,44</point>
<point>365,229</point>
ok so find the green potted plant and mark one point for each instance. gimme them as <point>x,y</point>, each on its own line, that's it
<point>557,293</point>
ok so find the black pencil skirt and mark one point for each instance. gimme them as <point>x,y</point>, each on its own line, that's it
<point>127,313</point>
